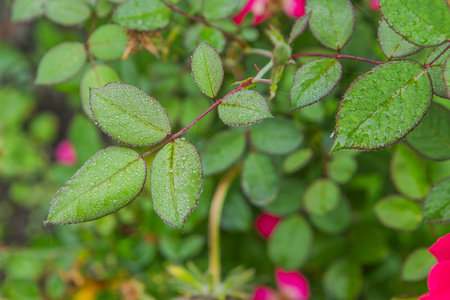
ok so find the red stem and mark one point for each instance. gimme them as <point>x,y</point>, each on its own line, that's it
<point>338,56</point>
<point>174,136</point>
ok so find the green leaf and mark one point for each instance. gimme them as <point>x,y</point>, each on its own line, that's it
<point>222,151</point>
<point>314,80</point>
<point>392,44</point>
<point>129,115</point>
<point>437,79</point>
<point>237,213</point>
<point>446,73</point>
<point>108,42</point>
<point>61,63</point>
<point>342,167</point>
<point>25,10</point>
<point>243,108</point>
<point>431,137</point>
<point>422,22</point>
<point>437,203</point>
<point>332,22</point>
<point>335,221</point>
<point>417,265</point>
<point>142,15</point>
<point>176,180</point>
<point>108,181</point>
<point>299,27</point>
<point>408,173</point>
<point>291,243</point>
<point>210,35</point>
<point>67,13</point>
<point>343,280</point>
<point>288,200</point>
<point>436,54</point>
<point>219,9</point>
<point>321,197</point>
<point>95,78</point>
<point>297,160</point>
<point>399,213</point>
<point>207,69</point>
<point>275,136</point>
<point>259,179</point>
<point>85,137</point>
<point>382,106</point>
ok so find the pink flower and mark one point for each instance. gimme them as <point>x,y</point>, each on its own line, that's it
<point>374,5</point>
<point>65,153</point>
<point>265,224</point>
<point>291,286</point>
<point>262,10</point>
<point>439,277</point>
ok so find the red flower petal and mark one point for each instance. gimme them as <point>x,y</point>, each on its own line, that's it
<point>293,285</point>
<point>439,277</point>
<point>441,249</point>
<point>65,153</point>
<point>374,5</point>
<point>264,293</point>
<point>294,8</point>
<point>266,223</point>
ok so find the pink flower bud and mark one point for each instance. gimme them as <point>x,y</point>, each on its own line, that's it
<point>266,223</point>
<point>292,285</point>
<point>65,153</point>
<point>294,8</point>
<point>264,293</point>
<point>374,5</point>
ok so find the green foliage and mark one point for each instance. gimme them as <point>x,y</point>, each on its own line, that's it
<point>393,44</point>
<point>222,151</point>
<point>340,222</point>
<point>259,179</point>
<point>332,22</point>
<point>243,108</point>
<point>176,178</point>
<point>290,245</point>
<point>422,22</point>
<point>399,213</point>
<point>108,42</point>
<point>314,80</point>
<point>61,63</point>
<point>129,115</point>
<point>277,136</point>
<point>377,121</point>
<point>67,13</point>
<point>108,181</point>
<point>142,15</point>
<point>207,69</point>
<point>436,208</point>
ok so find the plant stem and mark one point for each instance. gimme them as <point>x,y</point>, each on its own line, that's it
<point>174,136</point>
<point>215,213</point>
<point>204,22</point>
<point>263,71</point>
<point>257,51</point>
<point>338,56</point>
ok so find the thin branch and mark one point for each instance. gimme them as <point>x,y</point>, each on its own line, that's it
<point>339,56</point>
<point>216,103</point>
<point>206,23</point>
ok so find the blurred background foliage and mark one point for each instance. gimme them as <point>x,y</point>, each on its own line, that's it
<point>364,239</point>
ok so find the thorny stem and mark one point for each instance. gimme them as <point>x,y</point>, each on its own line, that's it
<point>215,213</point>
<point>174,136</point>
<point>338,56</point>
<point>204,22</point>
